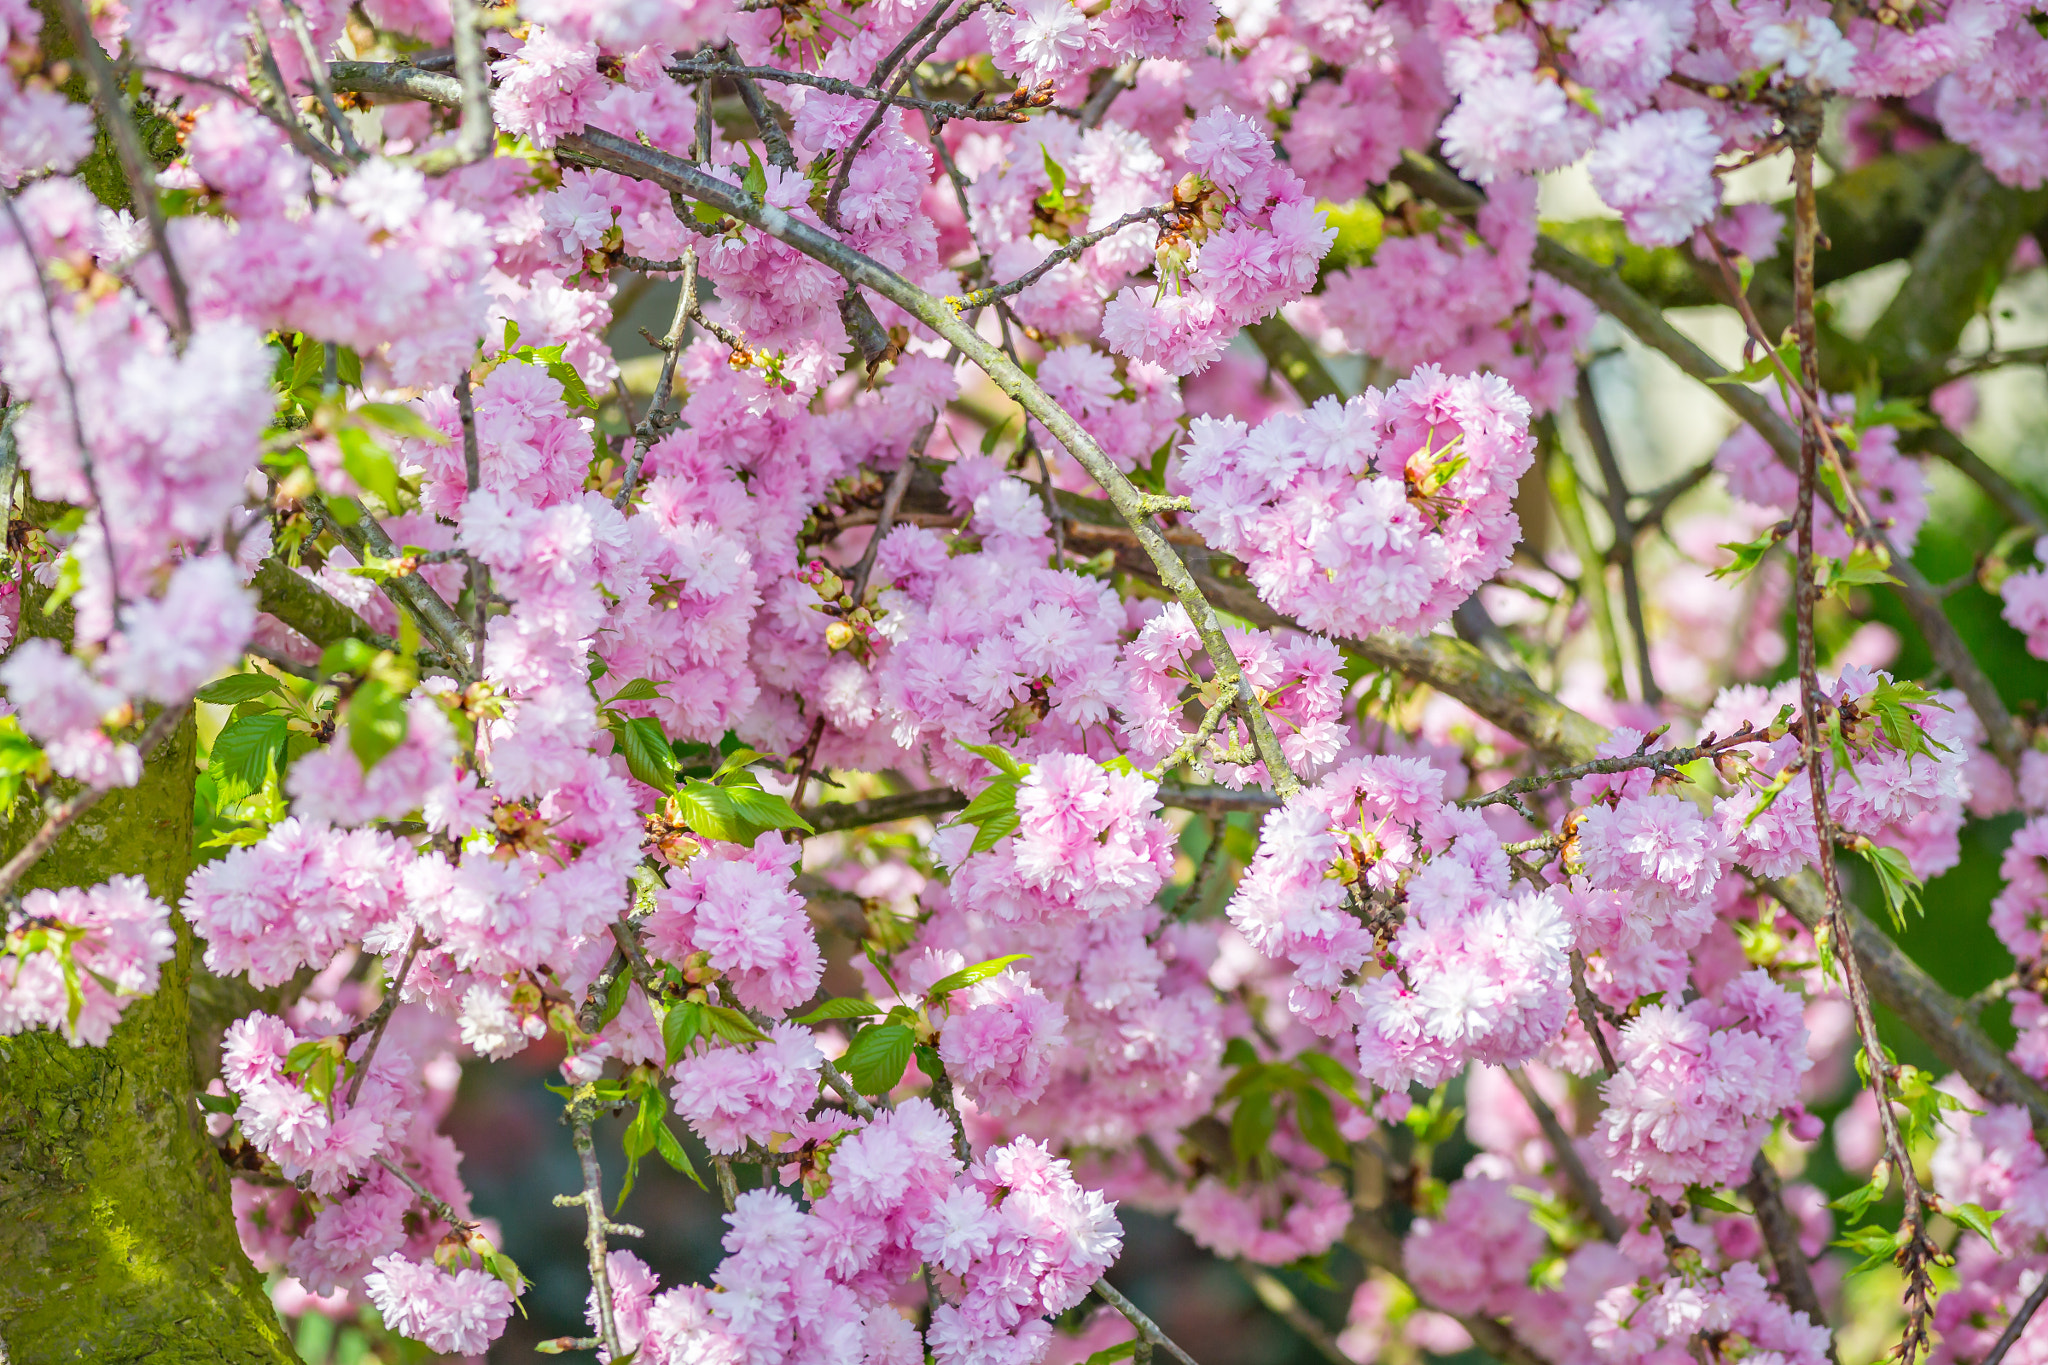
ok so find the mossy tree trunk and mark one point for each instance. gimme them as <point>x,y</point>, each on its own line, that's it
<point>117,1242</point>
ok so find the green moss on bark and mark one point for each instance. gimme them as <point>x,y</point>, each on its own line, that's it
<point>115,1231</point>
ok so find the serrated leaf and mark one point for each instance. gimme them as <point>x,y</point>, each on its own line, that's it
<point>1057,174</point>
<point>968,976</point>
<point>369,464</point>
<point>645,748</point>
<point>1700,1197</point>
<point>875,1060</point>
<point>681,1026</point>
<point>1748,554</point>
<point>840,1007</point>
<point>573,390</point>
<point>1863,566</point>
<point>992,812</point>
<point>1895,878</point>
<point>236,688</point>
<point>246,752</point>
<point>1005,764</point>
<point>1109,1355</point>
<point>401,419</point>
<point>614,998</point>
<point>729,1024</point>
<point>764,810</point>
<point>640,689</point>
<point>1976,1218</point>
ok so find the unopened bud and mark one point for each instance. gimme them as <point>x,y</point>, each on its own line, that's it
<point>840,635</point>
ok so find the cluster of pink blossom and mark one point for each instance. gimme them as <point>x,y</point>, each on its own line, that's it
<point>1296,678</point>
<point>301,895</point>
<point>2026,603</point>
<point>1914,802</point>
<point>736,907</point>
<point>1383,513</point>
<point>1700,1085</point>
<point>74,958</point>
<point>1008,1240</point>
<point>1001,1039</point>
<point>732,1096</point>
<point>1476,972</point>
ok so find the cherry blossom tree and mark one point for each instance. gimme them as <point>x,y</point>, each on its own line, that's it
<point>1118,565</point>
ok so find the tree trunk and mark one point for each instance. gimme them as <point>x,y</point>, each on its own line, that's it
<point>116,1236</point>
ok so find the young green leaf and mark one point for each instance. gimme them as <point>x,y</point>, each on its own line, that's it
<point>1109,1355</point>
<point>671,1151</point>
<point>1764,366</point>
<point>640,689</point>
<point>1700,1197</point>
<point>993,813</point>
<point>1317,1120</point>
<point>1895,878</point>
<point>645,747</point>
<point>764,810</point>
<point>721,1021</point>
<point>1747,555</point>
<point>875,1060</point>
<point>682,1025</point>
<point>376,721</point>
<point>968,976</point>
<point>1976,1219</point>
<point>840,1007</point>
<point>236,688</point>
<point>246,752</point>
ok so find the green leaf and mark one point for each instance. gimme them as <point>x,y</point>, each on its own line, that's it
<point>708,810</point>
<point>573,390</point>
<point>1251,1127</point>
<point>1747,555</point>
<point>645,747</point>
<point>402,419</point>
<point>246,752</point>
<point>1005,764</point>
<point>1331,1073</point>
<point>1857,1202</point>
<point>1057,174</point>
<point>1863,566</point>
<point>993,813</point>
<point>1700,1197</point>
<point>1318,1123</point>
<point>1109,1355</point>
<point>1895,877</point>
<point>308,363</point>
<point>671,1151</point>
<point>219,1104</point>
<point>874,1062</point>
<point>236,688</point>
<point>764,810</point>
<point>640,689</point>
<point>639,1140</point>
<point>614,998</point>
<point>1239,1052</point>
<point>968,976</point>
<point>729,1024</point>
<point>755,181</point>
<point>734,765</point>
<point>681,1026</point>
<point>1976,1219</point>
<point>840,1007</point>
<point>1762,367</point>
<point>1874,1244</point>
<point>376,721</point>
<point>1893,704</point>
<point>369,464</point>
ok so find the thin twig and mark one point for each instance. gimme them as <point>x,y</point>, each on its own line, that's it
<point>1781,1236</point>
<point>135,166</point>
<point>380,1019</point>
<point>1010,111</point>
<point>671,345</point>
<point>886,77</point>
<point>1616,495</point>
<point>1282,1303</point>
<point>1568,1161</point>
<point>472,469</point>
<point>323,88</point>
<point>1913,1256</point>
<point>441,1208</point>
<point>2010,1337</point>
<point>1664,762</point>
<point>983,297</point>
<point>583,1109</point>
<point>1148,1330</point>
